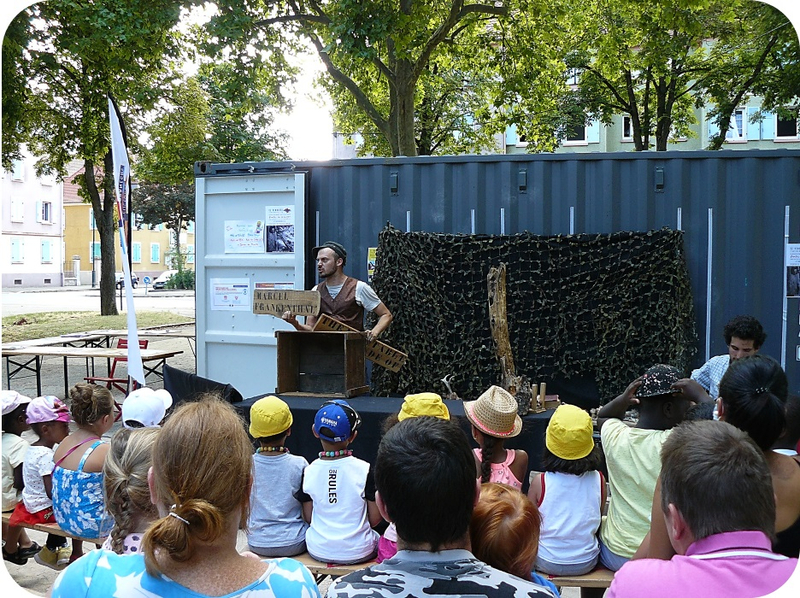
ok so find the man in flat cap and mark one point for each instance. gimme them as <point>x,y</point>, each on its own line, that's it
<point>342,297</point>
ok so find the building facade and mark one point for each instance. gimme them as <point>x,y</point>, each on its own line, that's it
<point>749,129</point>
<point>151,250</point>
<point>32,223</point>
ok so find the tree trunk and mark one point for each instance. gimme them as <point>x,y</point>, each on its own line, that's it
<point>104,218</point>
<point>406,142</point>
<point>178,258</point>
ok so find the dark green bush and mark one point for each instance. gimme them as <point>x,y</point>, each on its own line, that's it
<point>183,279</point>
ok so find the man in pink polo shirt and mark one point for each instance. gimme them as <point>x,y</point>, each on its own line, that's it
<point>719,507</point>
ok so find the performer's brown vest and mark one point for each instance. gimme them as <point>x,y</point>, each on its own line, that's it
<point>344,308</point>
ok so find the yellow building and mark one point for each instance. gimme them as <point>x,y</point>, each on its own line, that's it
<point>151,250</point>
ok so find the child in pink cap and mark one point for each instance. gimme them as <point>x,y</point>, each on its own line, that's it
<point>49,419</point>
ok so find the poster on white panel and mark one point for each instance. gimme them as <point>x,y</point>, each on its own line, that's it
<point>230,294</point>
<point>793,270</point>
<point>280,229</point>
<point>244,236</point>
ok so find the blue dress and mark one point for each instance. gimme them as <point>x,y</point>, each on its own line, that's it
<point>78,502</point>
<point>102,573</point>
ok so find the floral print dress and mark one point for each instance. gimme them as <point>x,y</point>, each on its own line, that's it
<point>78,501</point>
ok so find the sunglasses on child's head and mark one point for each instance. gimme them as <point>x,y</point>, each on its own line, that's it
<point>352,414</point>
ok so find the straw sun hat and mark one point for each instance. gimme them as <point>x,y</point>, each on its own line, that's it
<point>494,413</point>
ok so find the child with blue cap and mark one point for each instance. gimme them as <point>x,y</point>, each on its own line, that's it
<point>339,493</point>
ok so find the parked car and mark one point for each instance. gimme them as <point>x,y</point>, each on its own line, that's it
<point>121,279</point>
<point>161,281</point>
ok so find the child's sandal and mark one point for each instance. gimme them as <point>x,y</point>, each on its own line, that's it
<point>14,557</point>
<point>30,551</point>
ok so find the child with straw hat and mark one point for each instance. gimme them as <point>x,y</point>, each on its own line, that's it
<point>494,418</point>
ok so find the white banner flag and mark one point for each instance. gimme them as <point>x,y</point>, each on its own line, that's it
<point>122,170</point>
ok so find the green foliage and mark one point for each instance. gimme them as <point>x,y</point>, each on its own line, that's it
<point>182,279</point>
<point>653,61</point>
<point>412,77</point>
<point>209,117</point>
<point>69,55</point>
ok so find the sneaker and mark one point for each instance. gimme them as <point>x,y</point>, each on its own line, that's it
<point>47,557</point>
<point>64,552</point>
<point>28,552</point>
<point>13,557</point>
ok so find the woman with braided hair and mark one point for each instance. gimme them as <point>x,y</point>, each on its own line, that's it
<point>200,482</point>
<point>126,491</point>
<point>752,397</point>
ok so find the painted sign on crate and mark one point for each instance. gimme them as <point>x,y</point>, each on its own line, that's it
<point>277,301</point>
<point>377,352</point>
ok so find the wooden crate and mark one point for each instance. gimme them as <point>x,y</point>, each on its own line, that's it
<point>321,363</point>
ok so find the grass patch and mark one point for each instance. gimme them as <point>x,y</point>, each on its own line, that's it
<point>24,327</point>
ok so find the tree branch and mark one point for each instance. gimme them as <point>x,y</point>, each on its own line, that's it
<point>457,12</point>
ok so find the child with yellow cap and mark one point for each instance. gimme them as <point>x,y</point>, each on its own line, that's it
<point>570,495</point>
<point>276,526</point>
<point>424,404</point>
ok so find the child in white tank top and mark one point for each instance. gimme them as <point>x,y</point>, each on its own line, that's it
<point>570,495</point>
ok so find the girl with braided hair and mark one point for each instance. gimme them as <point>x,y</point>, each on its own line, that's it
<point>494,419</point>
<point>126,491</point>
<point>77,478</point>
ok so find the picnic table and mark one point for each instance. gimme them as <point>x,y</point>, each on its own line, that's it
<point>152,333</point>
<point>30,358</point>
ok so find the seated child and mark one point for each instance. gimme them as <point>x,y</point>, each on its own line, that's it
<point>49,419</point>
<point>633,458</point>
<point>425,404</point>
<point>339,493</point>
<point>78,473</point>
<point>504,532</point>
<point>19,546</point>
<point>276,526</point>
<point>145,408</point>
<point>494,418</point>
<point>570,495</point>
<point>127,495</point>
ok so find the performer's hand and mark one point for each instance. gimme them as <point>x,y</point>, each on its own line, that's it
<point>289,317</point>
<point>370,336</point>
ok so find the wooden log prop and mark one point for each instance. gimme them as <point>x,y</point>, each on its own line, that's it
<point>518,386</point>
<point>275,302</point>
<point>377,352</point>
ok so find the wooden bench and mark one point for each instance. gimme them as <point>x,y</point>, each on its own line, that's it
<point>599,578</point>
<point>52,528</point>
<point>321,570</point>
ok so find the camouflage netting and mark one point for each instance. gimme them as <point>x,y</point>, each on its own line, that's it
<point>604,306</point>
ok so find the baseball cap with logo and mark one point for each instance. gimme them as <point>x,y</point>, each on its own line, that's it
<point>145,408</point>
<point>12,399</point>
<point>269,416</point>
<point>336,421</point>
<point>47,409</point>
